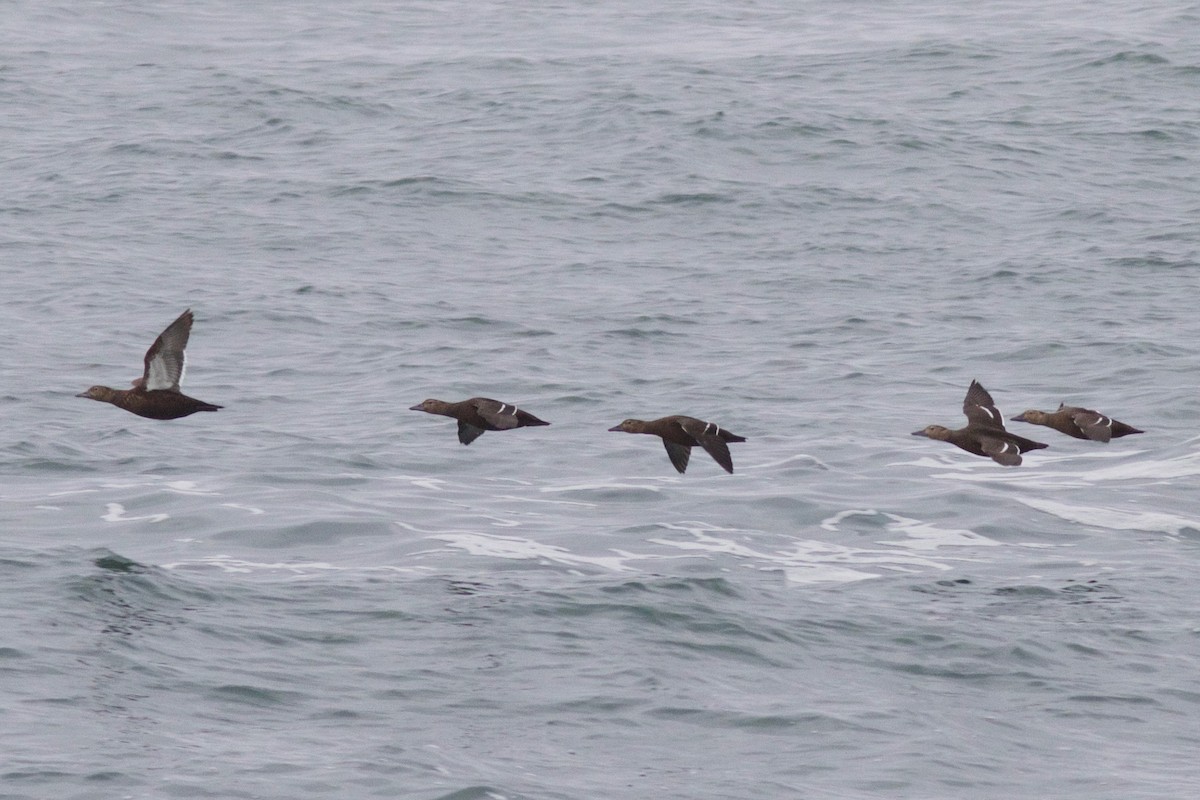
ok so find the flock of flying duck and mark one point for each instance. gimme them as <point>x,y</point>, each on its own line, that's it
<point>984,433</point>
<point>156,395</point>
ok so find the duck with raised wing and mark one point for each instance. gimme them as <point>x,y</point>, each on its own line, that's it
<point>984,434</point>
<point>480,414</point>
<point>680,434</point>
<point>1082,423</point>
<point>156,394</point>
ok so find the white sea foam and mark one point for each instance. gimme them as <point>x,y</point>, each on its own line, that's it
<point>226,563</point>
<point>115,512</point>
<point>421,482</point>
<point>514,547</point>
<point>583,487</point>
<point>1115,518</point>
<point>249,509</point>
<point>801,560</point>
<point>548,502</point>
<point>501,522</point>
<point>1082,469</point>
<point>921,535</point>
<point>187,487</point>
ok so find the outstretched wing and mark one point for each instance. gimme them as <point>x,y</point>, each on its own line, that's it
<point>467,432</point>
<point>679,454</point>
<point>980,409</point>
<point>708,435</point>
<point>165,361</point>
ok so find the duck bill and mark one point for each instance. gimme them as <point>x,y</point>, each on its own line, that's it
<point>415,408</point>
<point>616,429</point>
<point>1018,418</point>
<point>920,433</point>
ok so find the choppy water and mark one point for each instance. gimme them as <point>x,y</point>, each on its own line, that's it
<point>811,223</point>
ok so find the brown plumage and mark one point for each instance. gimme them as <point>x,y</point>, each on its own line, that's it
<point>1082,423</point>
<point>480,414</point>
<point>984,434</point>
<point>680,434</point>
<point>156,394</point>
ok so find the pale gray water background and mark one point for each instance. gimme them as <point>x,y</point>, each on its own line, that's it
<point>813,223</point>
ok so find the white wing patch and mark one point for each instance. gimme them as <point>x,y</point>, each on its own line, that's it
<point>160,372</point>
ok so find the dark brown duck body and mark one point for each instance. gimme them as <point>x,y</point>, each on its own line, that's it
<point>1082,423</point>
<point>1000,446</point>
<point>156,395</point>
<point>480,414</point>
<point>680,434</point>
<point>156,404</point>
<point>984,434</point>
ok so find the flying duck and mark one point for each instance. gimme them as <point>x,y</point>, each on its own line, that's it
<point>984,434</point>
<point>480,414</point>
<point>680,434</point>
<point>156,394</point>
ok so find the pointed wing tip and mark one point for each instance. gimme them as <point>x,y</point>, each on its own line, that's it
<point>719,451</point>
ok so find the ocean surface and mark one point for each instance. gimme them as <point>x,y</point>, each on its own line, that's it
<point>811,223</point>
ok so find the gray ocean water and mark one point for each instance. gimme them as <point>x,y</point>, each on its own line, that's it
<point>812,223</point>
